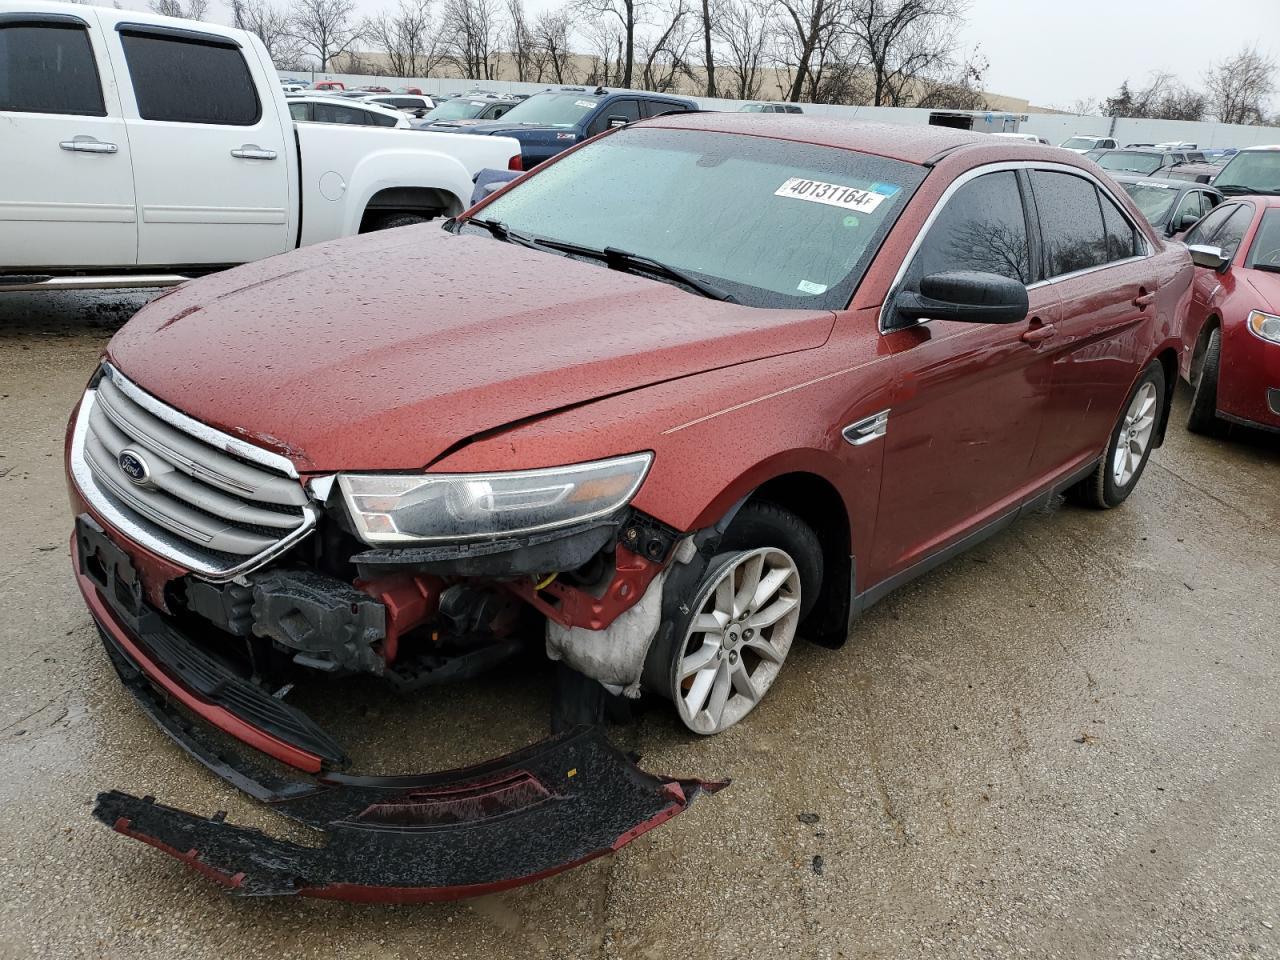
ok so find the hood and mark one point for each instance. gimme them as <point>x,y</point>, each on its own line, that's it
<point>381,352</point>
<point>1267,287</point>
<point>526,132</point>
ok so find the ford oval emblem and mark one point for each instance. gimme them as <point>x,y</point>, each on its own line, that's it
<point>134,467</point>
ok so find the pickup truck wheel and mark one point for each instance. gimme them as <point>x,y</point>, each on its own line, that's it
<point>1203,418</point>
<point>393,220</point>
<point>1132,440</point>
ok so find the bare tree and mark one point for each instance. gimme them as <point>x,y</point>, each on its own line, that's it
<point>740,28</point>
<point>667,52</point>
<point>271,25</point>
<point>326,28</point>
<point>904,41</point>
<point>1240,87</point>
<point>958,89</point>
<point>1163,98</point>
<point>193,10</point>
<point>627,15</point>
<point>553,57</point>
<point>405,35</point>
<point>606,42</point>
<point>799,29</point>
<point>471,31</point>
<point>708,49</point>
<point>519,40</point>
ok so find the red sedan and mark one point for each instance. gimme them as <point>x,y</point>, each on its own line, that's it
<point>733,378</point>
<point>1231,329</point>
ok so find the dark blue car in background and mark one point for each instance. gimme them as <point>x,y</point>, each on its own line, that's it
<point>549,122</point>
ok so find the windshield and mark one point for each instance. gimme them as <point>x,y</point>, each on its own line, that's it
<point>1153,199</point>
<point>776,224</point>
<point>455,110</point>
<point>751,108</point>
<point>553,109</point>
<point>1251,171</point>
<point>1081,143</point>
<point>1130,162</point>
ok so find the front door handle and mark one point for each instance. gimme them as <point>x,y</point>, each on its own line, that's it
<point>1040,333</point>
<point>83,144</point>
<point>251,151</point>
<point>1144,299</point>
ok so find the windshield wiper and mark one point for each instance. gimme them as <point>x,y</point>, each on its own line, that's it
<point>631,262</point>
<point>501,231</point>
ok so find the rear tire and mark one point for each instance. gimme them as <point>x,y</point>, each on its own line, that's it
<point>1132,440</point>
<point>1203,418</point>
<point>391,221</point>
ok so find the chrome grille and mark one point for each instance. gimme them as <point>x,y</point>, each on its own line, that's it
<point>196,496</point>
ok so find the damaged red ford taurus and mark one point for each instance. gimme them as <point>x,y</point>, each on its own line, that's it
<point>743,377</point>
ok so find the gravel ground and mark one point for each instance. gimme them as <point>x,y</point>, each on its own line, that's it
<point>1064,744</point>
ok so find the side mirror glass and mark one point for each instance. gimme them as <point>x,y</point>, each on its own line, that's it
<point>965,296</point>
<point>1203,255</point>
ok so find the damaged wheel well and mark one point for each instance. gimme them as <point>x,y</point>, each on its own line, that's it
<point>815,501</point>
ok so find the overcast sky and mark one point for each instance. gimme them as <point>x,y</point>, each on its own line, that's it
<point>1055,52</point>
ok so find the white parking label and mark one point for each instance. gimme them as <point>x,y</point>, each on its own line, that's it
<point>832,194</point>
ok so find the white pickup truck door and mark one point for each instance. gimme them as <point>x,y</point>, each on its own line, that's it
<point>66,183</point>
<point>210,147</point>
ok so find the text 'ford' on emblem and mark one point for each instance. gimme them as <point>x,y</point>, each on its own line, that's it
<point>134,467</point>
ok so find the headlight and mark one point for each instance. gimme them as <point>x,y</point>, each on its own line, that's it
<point>395,508</point>
<point>1265,325</point>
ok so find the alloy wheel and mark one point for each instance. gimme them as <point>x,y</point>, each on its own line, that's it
<point>1135,434</point>
<point>745,620</point>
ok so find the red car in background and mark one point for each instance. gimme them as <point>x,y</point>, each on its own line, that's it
<point>329,85</point>
<point>744,375</point>
<point>1231,328</point>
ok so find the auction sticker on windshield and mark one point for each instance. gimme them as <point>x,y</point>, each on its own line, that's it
<point>832,194</point>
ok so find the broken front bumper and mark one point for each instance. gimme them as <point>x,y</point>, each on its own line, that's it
<point>441,836</point>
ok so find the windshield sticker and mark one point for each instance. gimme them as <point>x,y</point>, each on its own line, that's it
<point>808,286</point>
<point>1153,183</point>
<point>832,194</point>
<point>587,104</point>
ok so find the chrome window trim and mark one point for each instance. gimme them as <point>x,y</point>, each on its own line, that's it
<point>214,438</point>
<point>161,543</point>
<point>1003,165</point>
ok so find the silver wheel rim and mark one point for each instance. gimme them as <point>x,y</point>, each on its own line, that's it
<point>738,639</point>
<point>1135,434</point>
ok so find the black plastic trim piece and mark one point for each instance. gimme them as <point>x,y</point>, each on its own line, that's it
<point>178,33</point>
<point>69,20</point>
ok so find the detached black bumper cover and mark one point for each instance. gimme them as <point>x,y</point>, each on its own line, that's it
<point>444,836</point>
<point>438,836</point>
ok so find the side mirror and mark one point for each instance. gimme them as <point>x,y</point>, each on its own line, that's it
<point>965,296</point>
<point>616,122</point>
<point>1185,222</point>
<point>1203,255</point>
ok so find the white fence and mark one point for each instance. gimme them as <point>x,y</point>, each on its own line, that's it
<point>1054,127</point>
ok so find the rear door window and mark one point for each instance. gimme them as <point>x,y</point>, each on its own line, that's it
<point>378,120</point>
<point>49,68</point>
<point>1071,224</point>
<point>981,228</point>
<point>190,80</point>
<point>338,113</point>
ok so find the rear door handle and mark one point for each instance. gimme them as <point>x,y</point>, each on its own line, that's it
<point>251,151</point>
<point>1039,334</point>
<point>88,145</point>
<point>1144,299</point>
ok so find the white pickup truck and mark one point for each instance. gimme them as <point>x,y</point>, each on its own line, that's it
<point>138,150</point>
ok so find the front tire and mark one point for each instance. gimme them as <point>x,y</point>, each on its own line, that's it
<point>1203,418</point>
<point>1132,440</point>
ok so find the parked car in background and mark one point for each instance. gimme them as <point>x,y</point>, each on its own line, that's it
<point>1231,327</point>
<point>331,85</point>
<point>140,151</point>
<point>415,105</point>
<point>770,108</point>
<point>904,337</point>
<point>1082,144</point>
<point>456,112</point>
<point>1028,137</point>
<point>1251,170</point>
<point>292,87</point>
<point>374,89</point>
<point>414,90</point>
<point>1171,206</point>
<point>548,123</point>
<point>360,113</point>
<point>1145,163</point>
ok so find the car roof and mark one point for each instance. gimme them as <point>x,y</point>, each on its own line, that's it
<point>347,102</point>
<point>913,144</point>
